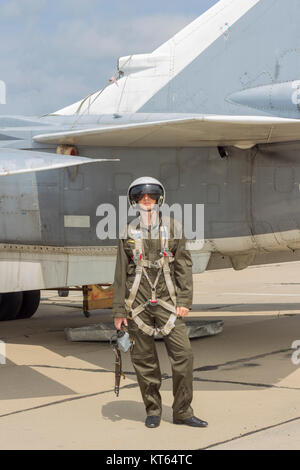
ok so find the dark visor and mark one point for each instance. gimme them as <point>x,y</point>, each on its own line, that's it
<point>153,190</point>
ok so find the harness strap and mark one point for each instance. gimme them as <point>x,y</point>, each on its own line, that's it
<point>169,283</point>
<point>166,330</point>
<point>163,266</point>
<point>136,311</point>
<point>153,286</point>
<point>155,264</point>
<point>134,288</point>
<point>166,268</point>
<point>149,330</point>
<point>166,306</point>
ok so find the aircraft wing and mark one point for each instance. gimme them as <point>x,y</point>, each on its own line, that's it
<point>13,161</point>
<point>200,131</point>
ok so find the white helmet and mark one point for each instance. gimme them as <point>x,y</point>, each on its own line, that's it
<point>146,185</point>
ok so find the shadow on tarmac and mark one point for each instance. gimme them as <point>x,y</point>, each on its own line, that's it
<point>131,411</point>
<point>253,352</point>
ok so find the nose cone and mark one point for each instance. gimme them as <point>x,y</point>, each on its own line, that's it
<point>280,98</point>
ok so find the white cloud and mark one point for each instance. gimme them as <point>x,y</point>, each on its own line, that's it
<point>78,39</point>
<point>155,30</point>
<point>48,68</point>
<point>101,40</point>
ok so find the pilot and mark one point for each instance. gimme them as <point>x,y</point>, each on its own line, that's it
<point>153,289</point>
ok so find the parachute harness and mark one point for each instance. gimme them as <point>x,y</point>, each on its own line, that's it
<point>162,265</point>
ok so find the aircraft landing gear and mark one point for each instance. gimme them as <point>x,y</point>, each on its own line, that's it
<point>10,305</point>
<point>19,305</point>
<point>31,302</point>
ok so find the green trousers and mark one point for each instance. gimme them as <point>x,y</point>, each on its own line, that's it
<point>145,361</point>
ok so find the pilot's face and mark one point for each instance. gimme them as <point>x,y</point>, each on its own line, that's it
<point>147,202</point>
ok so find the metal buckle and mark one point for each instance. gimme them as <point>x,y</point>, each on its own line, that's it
<point>154,265</point>
<point>137,258</point>
<point>166,253</point>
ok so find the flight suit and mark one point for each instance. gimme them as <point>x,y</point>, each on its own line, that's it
<point>144,356</point>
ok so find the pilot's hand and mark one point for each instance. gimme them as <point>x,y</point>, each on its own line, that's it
<point>182,311</point>
<point>118,322</point>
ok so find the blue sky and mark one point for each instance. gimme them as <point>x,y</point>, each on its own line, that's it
<point>55,52</point>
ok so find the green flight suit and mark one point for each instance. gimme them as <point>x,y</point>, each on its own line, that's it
<point>144,356</point>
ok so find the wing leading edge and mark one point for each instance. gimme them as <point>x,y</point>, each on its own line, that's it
<point>13,161</point>
<point>201,131</point>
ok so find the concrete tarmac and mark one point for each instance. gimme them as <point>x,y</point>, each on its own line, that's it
<point>59,395</point>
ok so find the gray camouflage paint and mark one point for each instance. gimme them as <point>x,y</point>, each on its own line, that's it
<point>252,69</point>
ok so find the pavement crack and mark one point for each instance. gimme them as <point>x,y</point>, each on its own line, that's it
<point>220,307</point>
<point>65,400</point>
<point>81,397</point>
<point>247,384</point>
<point>42,366</point>
<point>241,360</point>
<point>251,433</point>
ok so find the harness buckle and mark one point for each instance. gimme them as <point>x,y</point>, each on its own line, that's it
<point>166,253</point>
<point>153,303</point>
<point>137,257</point>
<point>154,265</point>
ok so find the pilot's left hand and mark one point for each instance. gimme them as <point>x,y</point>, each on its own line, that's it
<point>182,311</point>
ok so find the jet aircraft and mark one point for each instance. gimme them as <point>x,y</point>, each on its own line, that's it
<point>213,113</point>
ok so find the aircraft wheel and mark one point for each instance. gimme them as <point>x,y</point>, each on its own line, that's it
<point>30,304</point>
<point>10,305</point>
<point>63,293</point>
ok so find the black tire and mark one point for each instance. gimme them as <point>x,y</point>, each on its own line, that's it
<point>63,293</point>
<point>10,305</point>
<point>30,304</point>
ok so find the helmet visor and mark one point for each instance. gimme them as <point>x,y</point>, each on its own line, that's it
<point>153,190</point>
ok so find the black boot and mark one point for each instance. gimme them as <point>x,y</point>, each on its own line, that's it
<point>192,421</point>
<point>152,421</point>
